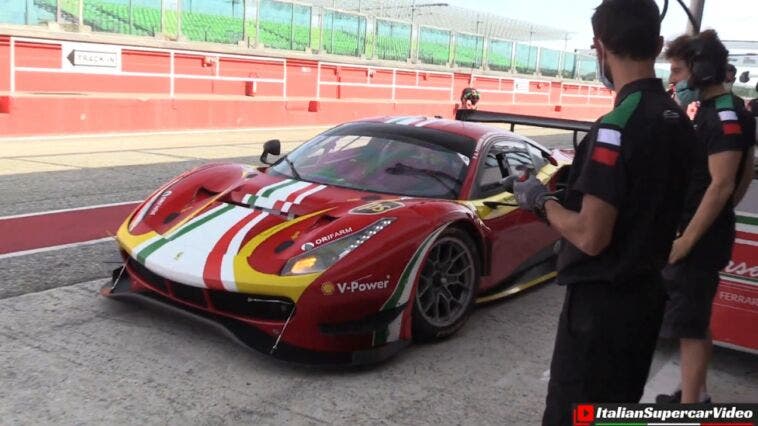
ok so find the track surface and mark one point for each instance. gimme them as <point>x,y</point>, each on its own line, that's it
<point>69,356</point>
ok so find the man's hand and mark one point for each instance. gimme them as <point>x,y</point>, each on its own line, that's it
<point>681,248</point>
<point>531,195</point>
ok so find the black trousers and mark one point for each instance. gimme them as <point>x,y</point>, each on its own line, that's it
<point>606,337</point>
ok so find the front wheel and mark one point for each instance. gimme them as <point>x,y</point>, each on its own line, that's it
<point>447,286</point>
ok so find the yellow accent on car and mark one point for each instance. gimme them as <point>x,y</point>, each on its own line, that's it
<point>129,241</point>
<point>254,282</point>
<point>517,288</point>
<point>487,213</point>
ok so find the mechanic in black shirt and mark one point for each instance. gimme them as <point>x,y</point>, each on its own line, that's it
<point>719,180</point>
<point>469,98</point>
<point>617,218</point>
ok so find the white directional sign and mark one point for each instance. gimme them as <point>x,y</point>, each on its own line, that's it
<point>520,85</point>
<point>91,57</point>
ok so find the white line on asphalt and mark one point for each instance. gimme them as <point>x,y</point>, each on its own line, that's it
<point>736,347</point>
<point>165,132</point>
<point>53,248</point>
<point>68,210</point>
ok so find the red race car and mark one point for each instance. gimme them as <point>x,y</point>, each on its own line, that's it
<point>366,237</point>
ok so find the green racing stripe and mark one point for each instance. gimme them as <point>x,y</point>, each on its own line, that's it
<point>147,251</point>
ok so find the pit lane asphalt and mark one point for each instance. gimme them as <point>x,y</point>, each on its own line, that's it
<point>70,356</point>
<point>39,192</point>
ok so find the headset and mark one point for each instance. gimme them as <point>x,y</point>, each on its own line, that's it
<point>703,72</point>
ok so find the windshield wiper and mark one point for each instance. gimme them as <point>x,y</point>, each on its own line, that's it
<point>400,168</point>
<point>295,174</point>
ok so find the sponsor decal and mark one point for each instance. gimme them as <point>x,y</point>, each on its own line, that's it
<point>742,269</point>
<point>738,298</point>
<point>356,286</point>
<point>377,207</point>
<point>159,202</point>
<point>475,155</point>
<point>327,288</point>
<point>333,235</point>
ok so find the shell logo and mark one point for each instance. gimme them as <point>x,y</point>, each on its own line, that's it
<point>327,288</point>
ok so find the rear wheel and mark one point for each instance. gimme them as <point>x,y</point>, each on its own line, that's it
<point>447,286</point>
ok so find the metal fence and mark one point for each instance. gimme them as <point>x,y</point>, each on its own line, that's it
<point>434,46</point>
<point>526,58</point>
<point>392,40</point>
<point>343,33</point>
<point>281,24</point>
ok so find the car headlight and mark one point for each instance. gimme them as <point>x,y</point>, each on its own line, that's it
<point>319,259</point>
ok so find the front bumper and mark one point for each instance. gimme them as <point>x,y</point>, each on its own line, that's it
<point>134,281</point>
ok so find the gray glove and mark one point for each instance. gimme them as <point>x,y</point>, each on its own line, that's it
<point>531,195</point>
<point>529,192</point>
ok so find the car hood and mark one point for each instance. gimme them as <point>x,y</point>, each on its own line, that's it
<point>220,226</point>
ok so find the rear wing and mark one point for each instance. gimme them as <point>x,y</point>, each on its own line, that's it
<point>575,126</point>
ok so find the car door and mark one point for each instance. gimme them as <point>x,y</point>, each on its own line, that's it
<point>516,235</point>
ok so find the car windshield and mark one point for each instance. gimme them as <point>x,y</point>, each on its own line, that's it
<point>378,163</point>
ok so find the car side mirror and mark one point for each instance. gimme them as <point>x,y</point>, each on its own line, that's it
<point>273,147</point>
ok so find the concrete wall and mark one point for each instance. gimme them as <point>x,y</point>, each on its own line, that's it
<point>44,89</point>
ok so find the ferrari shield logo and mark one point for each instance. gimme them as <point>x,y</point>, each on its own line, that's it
<point>377,207</point>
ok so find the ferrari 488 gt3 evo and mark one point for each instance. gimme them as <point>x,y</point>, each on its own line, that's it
<point>368,236</point>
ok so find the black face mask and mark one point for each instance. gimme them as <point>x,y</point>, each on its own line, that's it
<point>604,73</point>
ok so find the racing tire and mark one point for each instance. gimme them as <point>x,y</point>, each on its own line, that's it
<point>447,286</point>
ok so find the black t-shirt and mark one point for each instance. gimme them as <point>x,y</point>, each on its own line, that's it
<point>721,125</point>
<point>634,158</point>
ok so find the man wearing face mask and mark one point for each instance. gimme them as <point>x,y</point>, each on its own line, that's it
<point>676,53</point>
<point>618,218</point>
<point>719,180</point>
<point>731,76</point>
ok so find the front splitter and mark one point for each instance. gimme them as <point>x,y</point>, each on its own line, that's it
<point>122,288</point>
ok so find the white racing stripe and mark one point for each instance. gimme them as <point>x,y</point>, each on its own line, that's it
<point>227,262</point>
<point>183,260</point>
<point>409,120</point>
<point>280,194</point>
<point>194,220</point>
<point>426,122</point>
<point>301,197</point>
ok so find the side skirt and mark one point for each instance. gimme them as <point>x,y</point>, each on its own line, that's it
<point>538,269</point>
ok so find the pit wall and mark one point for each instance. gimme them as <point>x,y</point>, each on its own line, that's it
<point>54,86</point>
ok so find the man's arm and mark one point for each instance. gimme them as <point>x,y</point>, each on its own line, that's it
<point>747,176</point>
<point>722,168</point>
<point>591,229</point>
